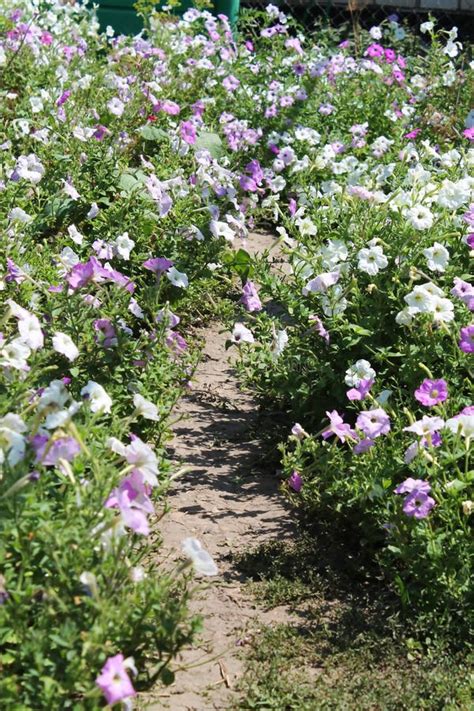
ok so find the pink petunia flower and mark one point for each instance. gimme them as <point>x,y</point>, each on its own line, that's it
<point>338,427</point>
<point>114,681</point>
<point>432,392</point>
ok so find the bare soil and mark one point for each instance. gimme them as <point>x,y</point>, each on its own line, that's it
<point>231,505</point>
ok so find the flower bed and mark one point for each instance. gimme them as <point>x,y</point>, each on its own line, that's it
<point>371,348</point>
<point>131,173</point>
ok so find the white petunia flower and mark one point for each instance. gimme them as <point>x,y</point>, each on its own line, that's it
<point>145,408</point>
<point>420,217</point>
<point>19,215</point>
<point>280,341</point>
<point>97,397</point>
<point>306,227</point>
<point>464,425</point>
<point>15,355</point>
<point>361,370</point>
<point>124,245</point>
<point>201,559</point>
<point>12,441</point>
<point>135,308</point>
<point>93,212</point>
<point>62,343</point>
<point>177,278</point>
<point>333,252</point>
<point>419,300</point>
<point>115,106</point>
<point>29,168</point>
<point>372,259</point>
<point>143,459</point>
<point>241,334</point>
<point>54,394</point>
<point>442,310</point>
<point>222,229</point>
<point>437,257</point>
<point>74,234</point>
<point>70,190</point>
<point>36,104</point>
<point>404,317</point>
<point>68,259</point>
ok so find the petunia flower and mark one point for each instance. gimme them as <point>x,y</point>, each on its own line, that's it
<point>62,343</point>
<point>99,400</point>
<point>373,423</point>
<point>361,391</point>
<point>425,427</point>
<point>432,392</point>
<point>114,681</point>
<point>338,427</point>
<point>241,334</point>
<point>178,279</point>
<point>201,559</point>
<point>466,341</point>
<point>417,503</point>
<point>145,408</point>
<point>295,482</point>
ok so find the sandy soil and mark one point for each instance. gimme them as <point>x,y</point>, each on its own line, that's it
<point>231,506</point>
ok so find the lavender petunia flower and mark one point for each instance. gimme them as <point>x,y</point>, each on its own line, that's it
<point>250,299</point>
<point>374,422</point>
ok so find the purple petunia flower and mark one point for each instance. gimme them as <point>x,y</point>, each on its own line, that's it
<point>106,335</point>
<point>417,503</point>
<point>187,132</point>
<point>374,50</point>
<point>62,448</point>
<point>413,134</point>
<point>363,445</point>
<point>158,265</point>
<point>63,98</point>
<point>318,325</point>
<point>432,392</point>
<point>466,342</point>
<point>247,183</point>
<point>14,273</point>
<point>410,485</point>
<point>295,482</point>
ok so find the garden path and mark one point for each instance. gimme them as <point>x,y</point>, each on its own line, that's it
<point>231,506</point>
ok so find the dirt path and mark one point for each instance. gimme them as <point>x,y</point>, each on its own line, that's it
<point>230,506</point>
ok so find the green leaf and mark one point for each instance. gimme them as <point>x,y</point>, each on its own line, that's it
<point>359,330</point>
<point>128,183</point>
<point>152,133</point>
<point>210,142</point>
<point>456,485</point>
<point>167,677</point>
<point>242,264</point>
